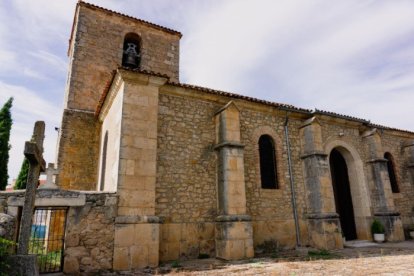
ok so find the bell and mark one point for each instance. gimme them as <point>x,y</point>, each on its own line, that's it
<point>131,56</point>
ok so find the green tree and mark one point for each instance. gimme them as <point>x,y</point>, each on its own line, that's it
<point>5,126</point>
<point>22,177</point>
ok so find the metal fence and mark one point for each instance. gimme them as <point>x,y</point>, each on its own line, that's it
<point>47,238</point>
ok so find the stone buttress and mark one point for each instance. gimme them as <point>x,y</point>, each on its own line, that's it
<point>381,195</point>
<point>234,234</point>
<point>323,221</point>
<point>136,242</point>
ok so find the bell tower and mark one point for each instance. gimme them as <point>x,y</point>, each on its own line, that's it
<point>102,41</point>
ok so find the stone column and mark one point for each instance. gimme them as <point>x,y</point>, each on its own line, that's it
<point>323,221</point>
<point>380,186</point>
<point>136,243</point>
<point>234,234</point>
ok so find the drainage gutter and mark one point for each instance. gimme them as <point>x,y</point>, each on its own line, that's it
<point>292,185</point>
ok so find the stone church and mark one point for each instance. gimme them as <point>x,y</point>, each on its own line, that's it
<point>200,171</point>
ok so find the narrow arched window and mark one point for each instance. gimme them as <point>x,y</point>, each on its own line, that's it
<point>103,164</point>
<point>391,173</point>
<point>131,57</point>
<point>268,172</point>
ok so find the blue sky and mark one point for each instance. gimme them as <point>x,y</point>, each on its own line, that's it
<point>353,57</point>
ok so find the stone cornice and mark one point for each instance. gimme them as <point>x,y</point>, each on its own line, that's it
<point>228,144</point>
<point>314,153</point>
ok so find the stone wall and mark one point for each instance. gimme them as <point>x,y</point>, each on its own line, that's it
<point>89,241</point>
<point>394,143</point>
<point>186,199</point>
<point>271,209</point>
<point>78,151</point>
<point>97,49</point>
<point>111,129</point>
<point>90,223</point>
<point>186,174</point>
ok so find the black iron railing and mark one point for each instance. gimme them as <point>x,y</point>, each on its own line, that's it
<point>47,238</point>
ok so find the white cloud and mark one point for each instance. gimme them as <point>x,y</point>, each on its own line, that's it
<point>29,107</point>
<point>354,57</point>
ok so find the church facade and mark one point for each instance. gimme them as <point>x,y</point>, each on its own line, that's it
<point>200,171</point>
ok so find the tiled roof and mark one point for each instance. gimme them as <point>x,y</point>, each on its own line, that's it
<point>104,94</point>
<point>247,98</point>
<point>110,81</point>
<point>238,96</point>
<point>159,27</point>
<point>336,115</point>
<point>391,128</point>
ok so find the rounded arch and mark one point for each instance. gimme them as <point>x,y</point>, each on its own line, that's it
<point>359,190</point>
<point>278,148</point>
<point>131,51</point>
<point>268,170</point>
<point>391,172</point>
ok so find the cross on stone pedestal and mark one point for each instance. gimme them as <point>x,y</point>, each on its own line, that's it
<point>33,150</point>
<point>50,172</point>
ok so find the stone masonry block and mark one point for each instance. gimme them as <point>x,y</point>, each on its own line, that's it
<point>139,256</point>
<point>121,258</point>
<point>124,234</point>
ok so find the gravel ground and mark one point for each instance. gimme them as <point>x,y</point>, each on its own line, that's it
<point>387,259</point>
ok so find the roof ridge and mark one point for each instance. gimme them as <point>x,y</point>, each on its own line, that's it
<point>162,28</point>
<point>239,96</point>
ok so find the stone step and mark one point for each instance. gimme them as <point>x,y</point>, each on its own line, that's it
<point>360,243</point>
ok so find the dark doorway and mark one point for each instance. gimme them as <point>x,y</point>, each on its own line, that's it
<point>342,193</point>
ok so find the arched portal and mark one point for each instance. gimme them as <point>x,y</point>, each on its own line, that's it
<point>342,194</point>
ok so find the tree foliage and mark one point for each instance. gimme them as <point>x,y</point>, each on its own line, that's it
<point>5,127</point>
<point>22,177</point>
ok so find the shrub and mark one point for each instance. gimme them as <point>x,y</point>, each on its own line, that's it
<point>377,227</point>
<point>5,249</point>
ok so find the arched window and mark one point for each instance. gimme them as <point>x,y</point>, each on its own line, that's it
<point>391,173</point>
<point>103,165</point>
<point>268,172</point>
<point>131,57</point>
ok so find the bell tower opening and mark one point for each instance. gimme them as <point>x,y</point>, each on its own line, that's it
<point>342,194</point>
<point>131,57</point>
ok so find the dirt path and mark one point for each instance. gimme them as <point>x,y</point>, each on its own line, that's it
<point>389,259</point>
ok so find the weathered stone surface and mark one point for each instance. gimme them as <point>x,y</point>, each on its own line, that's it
<point>7,226</point>
<point>22,265</point>
<point>90,234</point>
<point>78,151</point>
<point>71,265</point>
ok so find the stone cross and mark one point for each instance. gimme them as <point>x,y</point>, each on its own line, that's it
<point>33,150</point>
<point>50,172</point>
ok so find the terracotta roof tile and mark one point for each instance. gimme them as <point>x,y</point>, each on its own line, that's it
<point>104,94</point>
<point>337,115</point>
<point>110,81</point>
<point>238,96</point>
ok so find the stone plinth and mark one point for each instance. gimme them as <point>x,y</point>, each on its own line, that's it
<point>324,231</point>
<point>136,243</point>
<point>393,225</point>
<point>234,237</point>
